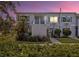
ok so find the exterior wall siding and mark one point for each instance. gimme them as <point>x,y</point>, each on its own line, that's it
<point>41,29</point>
<point>78,27</point>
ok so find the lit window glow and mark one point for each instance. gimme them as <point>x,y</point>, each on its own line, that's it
<point>53,19</point>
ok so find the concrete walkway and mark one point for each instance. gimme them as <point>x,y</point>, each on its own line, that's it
<point>54,40</point>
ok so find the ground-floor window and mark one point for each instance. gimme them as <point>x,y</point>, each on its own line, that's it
<point>36,19</point>
<point>53,19</point>
<point>39,20</point>
<point>66,19</point>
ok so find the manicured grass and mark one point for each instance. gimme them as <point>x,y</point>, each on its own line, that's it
<point>11,48</point>
<point>36,50</point>
<point>68,40</point>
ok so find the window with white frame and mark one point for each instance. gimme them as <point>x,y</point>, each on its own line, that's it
<point>66,19</point>
<point>39,20</point>
<point>53,19</point>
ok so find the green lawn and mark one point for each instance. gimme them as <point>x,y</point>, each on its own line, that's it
<point>23,49</point>
<point>10,47</point>
<point>68,40</point>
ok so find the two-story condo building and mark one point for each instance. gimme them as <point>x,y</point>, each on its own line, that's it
<point>43,23</point>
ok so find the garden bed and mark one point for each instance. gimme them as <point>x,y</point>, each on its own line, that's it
<point>9,47</point>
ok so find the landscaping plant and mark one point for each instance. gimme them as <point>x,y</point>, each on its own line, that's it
<point>57,32</point>
<point>66,32</point>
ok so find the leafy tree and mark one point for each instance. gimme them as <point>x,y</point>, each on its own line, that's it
<point>7,6</point>
<point>66,32</point>
<point>22,29</point>
<point>57,32</point>
<point>7,25</point>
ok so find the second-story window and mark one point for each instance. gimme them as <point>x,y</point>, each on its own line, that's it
<point>66,19</point>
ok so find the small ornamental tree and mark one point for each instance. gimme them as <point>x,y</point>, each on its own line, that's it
<point>57,32</point>
<point>66,32</point>
<point>22,29</point>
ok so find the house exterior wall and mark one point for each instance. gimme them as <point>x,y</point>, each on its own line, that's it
<point>41,29</point>
<point>70,25</point>
<point>78,27</point>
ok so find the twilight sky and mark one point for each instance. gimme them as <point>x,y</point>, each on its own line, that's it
<point>48,6</point>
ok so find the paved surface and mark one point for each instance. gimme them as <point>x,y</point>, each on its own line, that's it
<point>54,40</point>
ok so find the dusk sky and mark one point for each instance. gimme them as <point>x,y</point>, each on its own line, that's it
<point>48,6</point>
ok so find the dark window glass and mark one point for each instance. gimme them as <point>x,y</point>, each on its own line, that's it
<point>66,19</point>
<point>36,19</point>
<point>42,20</point>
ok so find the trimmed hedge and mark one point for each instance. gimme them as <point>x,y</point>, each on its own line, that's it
<point>35,39</point>
<point>36,50</point>
<point>38,39</point>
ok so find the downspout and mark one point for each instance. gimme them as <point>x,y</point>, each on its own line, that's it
<point>76,27</point>
<point>59,17</point>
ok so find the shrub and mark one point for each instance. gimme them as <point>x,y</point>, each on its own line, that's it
<point>57,32</point>
<point>22,29</point>
<point>30,33</point>
<point>77,36</point>
<point>39,39</point>
<point>66,32</point>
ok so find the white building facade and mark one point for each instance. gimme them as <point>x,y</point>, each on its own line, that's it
<point>42,24</point>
